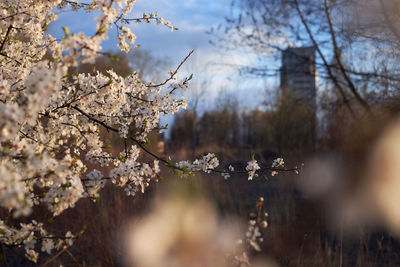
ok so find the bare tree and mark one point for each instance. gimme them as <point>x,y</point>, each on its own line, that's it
<point>356,41</point>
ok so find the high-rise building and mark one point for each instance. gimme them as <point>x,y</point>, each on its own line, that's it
<point>299,96</point>
<point>298,73</point>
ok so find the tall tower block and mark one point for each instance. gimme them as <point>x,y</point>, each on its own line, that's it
<point>298,73</point>
<point>299,84</point>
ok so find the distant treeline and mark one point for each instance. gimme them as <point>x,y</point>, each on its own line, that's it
<point>289,126</point>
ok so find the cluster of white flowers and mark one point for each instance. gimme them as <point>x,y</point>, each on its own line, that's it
<point>50,120</point>
<point>226,174</point>
<point>253,237</point>
<point>257,221</point>
<point>94,183</point>
<point>206,164</point>
<point>166,23</point>
<point>179,84</point>
<point>159,20</point>
<point>134,175</point>
<point>277,163</point>
<point>253,234</point>
<point>29,235</point>
<point>251,168</point>
<point>124,36</point>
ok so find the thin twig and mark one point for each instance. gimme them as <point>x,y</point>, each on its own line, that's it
<point>346,76</point>
<point>54,257</point>
<point>5,37</point>
<point>173,73</point>
<point>166,162</point>
<point>331,75</point>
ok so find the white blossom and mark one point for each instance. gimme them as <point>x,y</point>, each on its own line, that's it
<point>206,164</point>
<point>225,175</point>
<point>47,245</point>
<point>50,120</point>
<point>251,168</point>
<point>278,162</point>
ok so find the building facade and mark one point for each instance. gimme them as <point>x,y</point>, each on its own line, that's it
<point>299,94</point>
<point>299,74</point>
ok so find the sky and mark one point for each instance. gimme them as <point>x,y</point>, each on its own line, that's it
<point>211,66</point>
<point>193,18</point>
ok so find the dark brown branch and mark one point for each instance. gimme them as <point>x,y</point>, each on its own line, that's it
<point>5,37</point>
<point>339,60</point>
<point>54,257</point>
<point>13,15</point>
<point>78,97</point>
<point>34,140</point>
<point>139,19</point>
<point>140,144</point>
<point>173,73</point>
<point>333,77</point>
<point>166,162</point>
<point>138,98</point>
<point>6,56</point>
<point>294,169</point>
